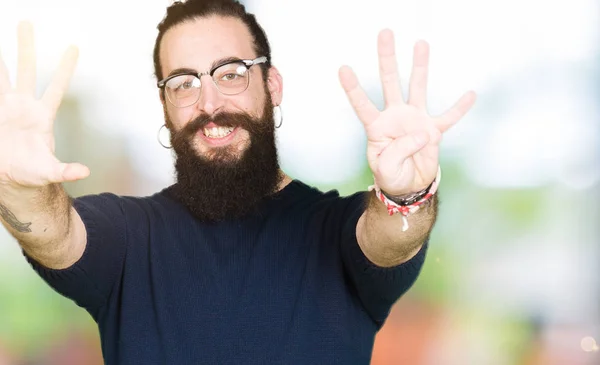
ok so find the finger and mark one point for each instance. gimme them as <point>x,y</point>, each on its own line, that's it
<point>65,172</point>
<point>60,81</point>
<point>388,68</point>
<point>4,79</point>
<point>364,108</point>
<point>462,106</point>
<point>417,94</point>
<point>406,146</point>
<point>26,66</point>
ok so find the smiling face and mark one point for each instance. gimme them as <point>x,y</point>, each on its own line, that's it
<point>225,144</point>
<point>198,46</point>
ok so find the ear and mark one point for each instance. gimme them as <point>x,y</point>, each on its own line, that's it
<point>161,96</point>
<point>164,105</point>
<point>275,85</point>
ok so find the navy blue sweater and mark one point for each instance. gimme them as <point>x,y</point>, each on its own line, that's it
<point>286,285</point>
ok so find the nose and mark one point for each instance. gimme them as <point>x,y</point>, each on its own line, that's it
<point>211,99</point>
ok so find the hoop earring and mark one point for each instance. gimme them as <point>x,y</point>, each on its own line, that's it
<point>159,140</point>
<point>277,111</point>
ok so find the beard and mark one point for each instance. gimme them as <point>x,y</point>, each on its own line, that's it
<point>226,183</point>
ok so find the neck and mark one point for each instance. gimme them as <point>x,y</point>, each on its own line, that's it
<point>285,180</point>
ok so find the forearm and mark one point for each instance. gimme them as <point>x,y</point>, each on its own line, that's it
<point>39,218</point>
<point>380,235</point>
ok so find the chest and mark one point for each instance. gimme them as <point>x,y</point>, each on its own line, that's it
<point>263,294</point>
<point>233,271</point>
<point>242,289</point>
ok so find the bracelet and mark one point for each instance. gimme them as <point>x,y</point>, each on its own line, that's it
<point>409,199</point>
<point>406,209</point>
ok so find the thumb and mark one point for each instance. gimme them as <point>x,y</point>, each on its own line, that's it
<point>406,146</point>
<point>69,172</point>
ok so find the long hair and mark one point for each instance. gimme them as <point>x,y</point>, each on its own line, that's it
<point>181,11</point>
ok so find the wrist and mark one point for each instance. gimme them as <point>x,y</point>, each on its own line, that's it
<point>410,205</point>
<point>408,199</point>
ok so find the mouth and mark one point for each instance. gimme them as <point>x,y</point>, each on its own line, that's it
<point>216,136</point>
<point>217,132</point>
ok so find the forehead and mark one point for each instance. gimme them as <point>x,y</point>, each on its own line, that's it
<point>197,43</point>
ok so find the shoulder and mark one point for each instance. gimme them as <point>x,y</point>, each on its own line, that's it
<point>303,194</point>
<point>114,204</point>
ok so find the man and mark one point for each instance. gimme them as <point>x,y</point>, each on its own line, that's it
<point>236,263</point>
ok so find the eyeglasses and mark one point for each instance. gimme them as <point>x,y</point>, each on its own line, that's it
<point>231,78</point>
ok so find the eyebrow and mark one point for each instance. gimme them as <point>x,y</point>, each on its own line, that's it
<point>219,62</point>
<point>181,71</point>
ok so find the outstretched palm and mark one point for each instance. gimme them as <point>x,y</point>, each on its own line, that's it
<point>26,123</point>
<point>403,139</point>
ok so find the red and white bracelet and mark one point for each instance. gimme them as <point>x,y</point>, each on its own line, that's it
<point>405,210</point>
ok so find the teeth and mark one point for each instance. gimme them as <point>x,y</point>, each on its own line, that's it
<point>217,132</point>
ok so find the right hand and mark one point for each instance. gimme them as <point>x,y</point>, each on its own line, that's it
<point>26,124</point>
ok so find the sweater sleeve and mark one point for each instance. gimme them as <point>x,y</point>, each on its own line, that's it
<point>377,287</point>
<point>89,281</point>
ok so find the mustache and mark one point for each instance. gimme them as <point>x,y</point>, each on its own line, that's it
<point>223,119</point>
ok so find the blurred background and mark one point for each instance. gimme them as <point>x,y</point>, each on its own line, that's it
<point>511,276</point>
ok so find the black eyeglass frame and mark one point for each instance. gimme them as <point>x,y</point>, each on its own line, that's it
<point>248,63</point>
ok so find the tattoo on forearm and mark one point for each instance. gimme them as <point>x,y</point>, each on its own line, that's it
<point>10,218</point>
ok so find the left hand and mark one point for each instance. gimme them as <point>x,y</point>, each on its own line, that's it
<point>402,140</point>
